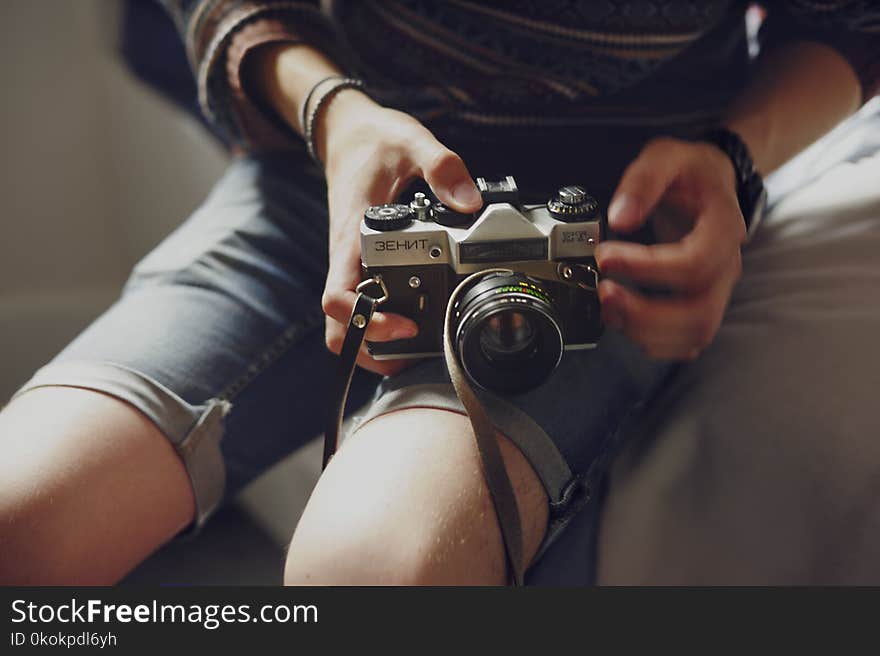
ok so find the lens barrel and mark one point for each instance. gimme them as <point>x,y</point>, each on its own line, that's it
<point>507,333</point>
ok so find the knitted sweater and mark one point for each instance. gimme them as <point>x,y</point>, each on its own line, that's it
<point>589,79</point>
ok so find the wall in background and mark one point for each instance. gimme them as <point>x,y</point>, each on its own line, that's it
<point>94,170</point>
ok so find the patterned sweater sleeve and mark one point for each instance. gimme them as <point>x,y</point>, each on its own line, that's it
<point>219,35</point>
<point>851,27</point>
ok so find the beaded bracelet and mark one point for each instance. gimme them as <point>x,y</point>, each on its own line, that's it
<point>304,110</point>
<point>323,100</point>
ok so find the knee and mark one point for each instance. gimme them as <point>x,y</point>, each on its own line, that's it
<point>88,487</point>
<point>404,503</point>
<point>354,558</point>
<point>359,527</point>
<point>25,505</point>
<point>22,553</point>
<point>370,540</point>
<point>39,532</point>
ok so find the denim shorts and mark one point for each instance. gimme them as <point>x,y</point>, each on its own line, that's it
<point>218,338</point>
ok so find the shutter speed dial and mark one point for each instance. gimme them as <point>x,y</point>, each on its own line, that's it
<point>388,217</point>
<point>573,203</point>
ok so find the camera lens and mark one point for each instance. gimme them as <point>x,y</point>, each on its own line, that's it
<point>507,333</point>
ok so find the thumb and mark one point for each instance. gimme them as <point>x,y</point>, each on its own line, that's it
<point>448,177</point>
<point>643,184</point>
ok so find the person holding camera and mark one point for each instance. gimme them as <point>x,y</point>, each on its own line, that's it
<point>214,358</point>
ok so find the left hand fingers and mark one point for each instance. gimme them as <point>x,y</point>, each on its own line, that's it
<point>644,182</point>
<point>670,328</point>
<point>690,265</point>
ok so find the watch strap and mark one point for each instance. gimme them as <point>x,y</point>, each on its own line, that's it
<point>750,191</point>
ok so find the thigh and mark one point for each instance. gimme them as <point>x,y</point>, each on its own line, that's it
<point>760,464</point>
<point>406,493</point>
<point>218,336</point>
<point>566,430</point>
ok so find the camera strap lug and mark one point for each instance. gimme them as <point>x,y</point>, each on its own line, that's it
<point>584,276</point>
<point>380,283</point>
<point>361,315</point>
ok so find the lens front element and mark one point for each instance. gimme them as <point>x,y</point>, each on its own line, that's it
<point>508,335</point>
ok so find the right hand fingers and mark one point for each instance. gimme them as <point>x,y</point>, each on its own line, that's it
<point>399,151</point>
<point>383,327</point>
<point>335,334</point>
<point>421,155</point>
<point>339,298</point>
<point>446,175</point>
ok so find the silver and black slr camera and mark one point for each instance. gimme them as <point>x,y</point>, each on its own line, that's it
<point>509,327</point>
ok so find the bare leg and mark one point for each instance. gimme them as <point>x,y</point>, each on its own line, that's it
<point>88,488</point>
<point>404,503</point>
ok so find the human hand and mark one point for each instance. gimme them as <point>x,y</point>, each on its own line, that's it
<point>371,154</point>
<point>701,229</point>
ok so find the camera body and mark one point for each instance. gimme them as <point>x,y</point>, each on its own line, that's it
<point>423,251</point>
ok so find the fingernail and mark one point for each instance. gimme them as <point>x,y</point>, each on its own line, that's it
<point>405,332</point>
<point>623,212</point>
<point>465,193</point>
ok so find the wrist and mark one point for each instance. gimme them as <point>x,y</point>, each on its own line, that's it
<point>282,74</point>
<point>347,109</point>
<point>724,165</point>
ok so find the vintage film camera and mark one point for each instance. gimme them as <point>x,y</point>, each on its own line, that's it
<point>509,327</point>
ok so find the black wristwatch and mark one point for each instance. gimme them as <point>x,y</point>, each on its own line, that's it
<point>750,191</point>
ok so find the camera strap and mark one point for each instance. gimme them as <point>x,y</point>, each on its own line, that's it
<point>494,471</point>
<point>361,315</point>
